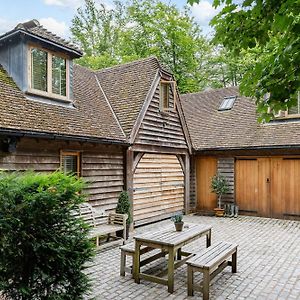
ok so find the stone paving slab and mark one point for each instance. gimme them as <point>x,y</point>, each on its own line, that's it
<point>268,263</point>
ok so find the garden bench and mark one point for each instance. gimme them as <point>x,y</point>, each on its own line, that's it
<point>129,250</point>
<point>102,224</point>
<point>210,262</point>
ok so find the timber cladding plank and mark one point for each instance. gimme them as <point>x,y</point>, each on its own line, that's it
<point>158,187</point>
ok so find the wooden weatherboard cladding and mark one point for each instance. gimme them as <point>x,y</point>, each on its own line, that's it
<point>225,167</point>
<point>101,166</point>
<point>269,186</point>
<point>158,188</point>
<point>161,128</point>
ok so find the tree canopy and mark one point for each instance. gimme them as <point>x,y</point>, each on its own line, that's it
<point>145,28</point>
<point>140,29</point>
<point>270,31</point>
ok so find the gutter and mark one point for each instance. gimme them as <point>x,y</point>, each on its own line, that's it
<point>247,148</point>
<point>55,136</point>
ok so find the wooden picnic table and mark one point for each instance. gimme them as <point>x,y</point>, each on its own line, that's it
<point>170,242</point>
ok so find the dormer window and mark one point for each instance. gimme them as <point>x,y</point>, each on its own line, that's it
<point>48,74</point>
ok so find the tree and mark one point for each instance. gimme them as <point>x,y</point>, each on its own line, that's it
<point>141,29</point>
<point>96,30</point>
<point>225,69</point>
<point>270,28</point>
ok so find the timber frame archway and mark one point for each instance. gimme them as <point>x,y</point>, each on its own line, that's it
<point>158,184</point>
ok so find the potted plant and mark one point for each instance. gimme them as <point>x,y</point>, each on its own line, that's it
<point>219,185</point>
<point>177,219</point>
<point>123,207</point>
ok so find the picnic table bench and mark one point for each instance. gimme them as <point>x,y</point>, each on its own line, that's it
<point>169,241</point>
<point>211,261</point>
<point>102,224</point>
<point>129,250</point>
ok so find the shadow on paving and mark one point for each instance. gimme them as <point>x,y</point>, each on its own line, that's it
<point>268,263</point>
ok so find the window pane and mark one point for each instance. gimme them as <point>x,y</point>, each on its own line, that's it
<point>39,69</point>
<point>70,164</point>
<point>58,75</point>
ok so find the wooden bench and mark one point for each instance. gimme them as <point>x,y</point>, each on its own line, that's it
<point>102,224</point>
<point>129,250</point>
<point>210,262</point>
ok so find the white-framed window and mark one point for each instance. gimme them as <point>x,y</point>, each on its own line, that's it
<point>48,73</point>
<point>166,88</point>
<point>70,162</point>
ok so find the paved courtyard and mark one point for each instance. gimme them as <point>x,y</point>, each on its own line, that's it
<point>268,263</point>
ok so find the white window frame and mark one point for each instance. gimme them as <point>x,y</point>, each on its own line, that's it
<point>49,93</point>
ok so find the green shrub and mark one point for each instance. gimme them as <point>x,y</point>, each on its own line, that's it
<point>43,248</point>
<point>219,185</point>
<point>123,206</point>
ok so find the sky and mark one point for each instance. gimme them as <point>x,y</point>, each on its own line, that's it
<point>56,15</point>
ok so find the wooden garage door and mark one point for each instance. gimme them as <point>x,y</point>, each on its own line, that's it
<point>158,188</point>
<point>269,187</point>
<point>206,168</point>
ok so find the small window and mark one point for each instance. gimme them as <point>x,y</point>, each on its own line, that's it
<point>48,74</point>
<point>164,96</point>
<point>70,162</point>
<point>227,103</point>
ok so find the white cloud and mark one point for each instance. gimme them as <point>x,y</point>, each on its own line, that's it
<point>74,4</point>
<point>204,12</point>
<point>7,25</point>
<point>65,3</point>
<point>57,27</point>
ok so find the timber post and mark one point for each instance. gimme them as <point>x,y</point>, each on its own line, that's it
<point>129,180</point>
<point>187,184</point>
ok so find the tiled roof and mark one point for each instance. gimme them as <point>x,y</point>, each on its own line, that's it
<point>236,128</point>
<point>34,27</point>
<point>91,117</point>
<point>126,87</point>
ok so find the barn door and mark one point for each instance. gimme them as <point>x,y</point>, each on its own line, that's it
<point>268,187</point>
<point>158,184</point>
<point>206,168</point>
<point>285,187</point>
<point>247,185</point>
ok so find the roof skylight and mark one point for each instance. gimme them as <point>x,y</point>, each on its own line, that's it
<point>227,103</point>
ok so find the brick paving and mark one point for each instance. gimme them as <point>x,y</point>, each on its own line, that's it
<point>268,263</point>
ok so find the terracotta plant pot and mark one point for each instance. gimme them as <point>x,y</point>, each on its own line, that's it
<point>179,226</point>
<point>219,212</point>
